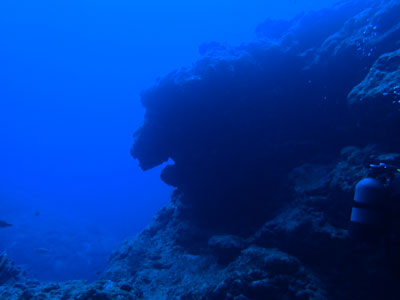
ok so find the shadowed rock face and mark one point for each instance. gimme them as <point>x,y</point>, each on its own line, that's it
<point>240,119</point>
<point>377,99</point>
<point>8,272</point>
<point>268,141</point>
<point>303,252</point>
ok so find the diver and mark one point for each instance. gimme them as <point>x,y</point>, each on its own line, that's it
<point>375,216</point>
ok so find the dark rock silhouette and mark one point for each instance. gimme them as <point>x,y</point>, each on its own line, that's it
<point>9,273</point>
<point>236,124</point>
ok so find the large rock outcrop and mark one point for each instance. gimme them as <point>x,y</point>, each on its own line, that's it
<point>303,252</point>
<point>240,119</point>
<point>268,141</point>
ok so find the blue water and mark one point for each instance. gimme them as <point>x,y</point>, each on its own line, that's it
<point>71,73</point>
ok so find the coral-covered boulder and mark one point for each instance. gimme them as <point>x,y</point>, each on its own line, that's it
<point>9,273</point>
<point>240,119</point>
<point>376,99</point>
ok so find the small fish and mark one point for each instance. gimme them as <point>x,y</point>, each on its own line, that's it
<point>4,224</point>
<point>42,250</point>
<point>37,213</point>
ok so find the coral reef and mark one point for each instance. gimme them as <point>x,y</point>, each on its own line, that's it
<point>8,271</point>
<point>240,119</point>
<point>303,252</point>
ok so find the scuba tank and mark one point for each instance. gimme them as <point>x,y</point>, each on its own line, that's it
<point>368,201</point>
<point>370,212</point>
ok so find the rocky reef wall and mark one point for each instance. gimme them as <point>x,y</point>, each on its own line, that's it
<point>267,142</point>
<point>240,119</point>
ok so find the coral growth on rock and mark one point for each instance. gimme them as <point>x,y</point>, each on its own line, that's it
<point>9,273</point>
<point>237,122</point>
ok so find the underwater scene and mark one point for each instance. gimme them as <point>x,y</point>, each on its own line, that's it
<point>200,150</point>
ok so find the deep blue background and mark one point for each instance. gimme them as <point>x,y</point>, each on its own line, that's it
<point>71,73</point>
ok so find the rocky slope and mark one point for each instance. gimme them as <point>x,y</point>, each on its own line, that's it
<point>267,142</point>
<point>302,252</point>
<point>240,119</point>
